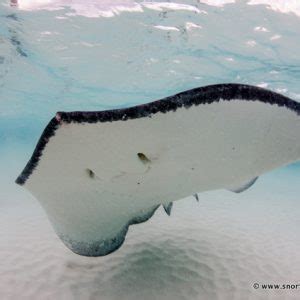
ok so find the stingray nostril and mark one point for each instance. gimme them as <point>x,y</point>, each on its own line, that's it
<point>90,173</point>
<point>143,157</point>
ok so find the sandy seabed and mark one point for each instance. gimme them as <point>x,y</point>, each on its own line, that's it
<point>215,249</point>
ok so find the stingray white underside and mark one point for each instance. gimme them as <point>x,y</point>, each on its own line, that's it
<point>94,180</point>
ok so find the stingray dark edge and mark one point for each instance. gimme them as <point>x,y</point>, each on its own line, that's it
<point>203,95</point>
<point>105,247</point>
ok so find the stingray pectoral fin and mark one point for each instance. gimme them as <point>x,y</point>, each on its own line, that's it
<point>243,186</point>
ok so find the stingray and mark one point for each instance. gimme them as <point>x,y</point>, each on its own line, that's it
<point>97,172</point>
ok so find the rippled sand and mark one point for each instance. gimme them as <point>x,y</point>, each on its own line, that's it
<point>216,249</point>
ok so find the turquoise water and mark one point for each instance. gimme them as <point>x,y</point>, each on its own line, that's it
<point>96,56</point>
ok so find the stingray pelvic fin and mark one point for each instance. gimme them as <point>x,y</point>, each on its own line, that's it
<point>168,208</point>
<point>243,187</point>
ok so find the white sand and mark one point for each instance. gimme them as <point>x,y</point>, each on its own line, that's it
<point>216,249</point>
